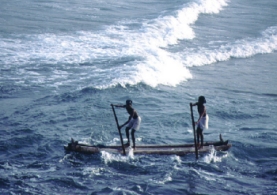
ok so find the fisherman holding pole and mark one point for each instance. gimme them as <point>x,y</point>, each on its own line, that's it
<point>202,122</point>
<point>133,122</point>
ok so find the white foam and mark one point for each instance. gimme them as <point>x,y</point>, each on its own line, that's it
<point>121,55</point>
<point>208,176</point>
<point>177,159</point>
<point>93,171</point>
<point>120,190</point>
<point>212,156</point>
<point>162,180</point>
<point>110,157</point>
<point>244,48</point>
<point>155,65</point>
<point>168,30</point>
<point>66,157</point>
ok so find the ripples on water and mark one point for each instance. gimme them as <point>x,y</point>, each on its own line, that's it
<point>59,74</point>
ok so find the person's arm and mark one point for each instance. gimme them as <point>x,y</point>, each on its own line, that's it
<point>194,104</point>
<point>125,122</point>
<point>118,106</point>
<point>132,114</point>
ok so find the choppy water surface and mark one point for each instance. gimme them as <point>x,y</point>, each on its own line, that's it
<point>63,63</point>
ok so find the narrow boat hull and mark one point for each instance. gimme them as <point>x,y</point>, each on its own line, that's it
<point>180,149</point>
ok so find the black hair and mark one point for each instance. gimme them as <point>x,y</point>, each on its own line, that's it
<point>129,102</point>
<point>202,99</point>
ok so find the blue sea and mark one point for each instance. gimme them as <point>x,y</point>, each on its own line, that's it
<point>63,63</point>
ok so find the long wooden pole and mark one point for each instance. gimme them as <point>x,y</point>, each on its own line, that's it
<point>193,126</point>
<point>121,140</point>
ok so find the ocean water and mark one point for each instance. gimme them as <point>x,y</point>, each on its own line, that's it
<point>62,63</point>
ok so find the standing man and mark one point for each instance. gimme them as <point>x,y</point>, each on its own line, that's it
<point>133,122</point>
<point>202,122</point>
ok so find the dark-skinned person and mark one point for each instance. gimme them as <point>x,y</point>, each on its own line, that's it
<point>203,120</point>
<point>133,122</point>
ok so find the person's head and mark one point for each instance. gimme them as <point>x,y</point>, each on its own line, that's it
<point>201,100</point>
<point>129,102</point>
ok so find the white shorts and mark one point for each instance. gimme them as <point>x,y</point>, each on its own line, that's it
<point>204,122</point>
<point>134,123</point>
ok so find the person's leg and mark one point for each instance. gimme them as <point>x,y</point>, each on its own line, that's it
<point>127,134</point>
<point>133,138</point>
<point>202,138</point>
<point>200,135</point>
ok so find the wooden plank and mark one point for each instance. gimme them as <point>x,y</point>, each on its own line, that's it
<point>159,146</point>
<point>178,149</point>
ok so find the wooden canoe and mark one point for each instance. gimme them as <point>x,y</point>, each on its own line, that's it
<point>178,149</point>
